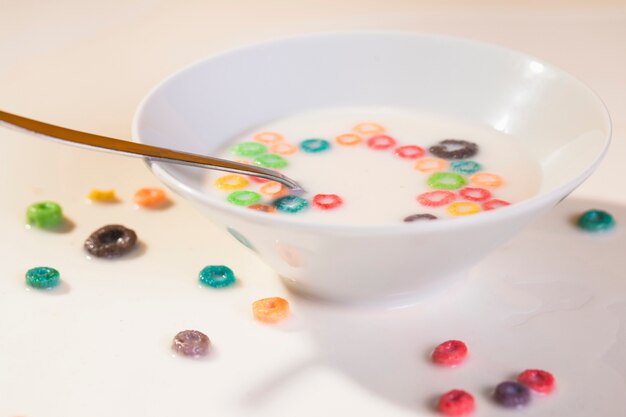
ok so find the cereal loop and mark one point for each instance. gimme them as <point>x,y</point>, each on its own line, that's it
<point>381,142</point>
<point>291,204</point>
<point>44,215</point>
<point>230,182</point>
<point>465,167</point>
<point>149,197</point>
<point>314,145</point>
<point>446,180</point>
<point>348,139</point>
<point>537,380</point>
<point>191,343</point>
<point>270,160</point>
<point>268,137</point>
<point>430,165</point>
<point>419,217</point>
<point>409,152</point>
<point>248,149</point>
<point>512,394</point>
<point>270,310</point>
<point>258,180</point>
<point>495,204</point>
<point>283,149</point>
<point>474,194</point>
<point>463,208</point>
<point>42,277</point>
<point>102,196</point>
<point>243,198</point>
<point>595,221</point>
<point>449,353</point>
<point>262,207</point>
<point>273,189</point>
<point>436,198</point>
<point>326,201</point>
<point>486,179</point>
<point>368,128</point>
<point>454,149</point>
<point>216,276</point>
<point>455,403</point>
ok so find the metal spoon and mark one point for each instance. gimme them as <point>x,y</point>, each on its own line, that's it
<point>153,153</point>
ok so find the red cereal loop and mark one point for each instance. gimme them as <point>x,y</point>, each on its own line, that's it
<point>380,142</point>
<point>326,201</point>
<point>456,403</point>
<point>409,152</point>
<point>450,353</point>
<point>495,204</point>
<point>436,198</point>
<point>258,180</point>
<point>474,194</point>
<point>537,380</point>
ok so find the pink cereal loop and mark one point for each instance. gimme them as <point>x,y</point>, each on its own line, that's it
<point>430,164</point>
<point>368,128</point>
<point>268,137</point>
<point>283,149</point>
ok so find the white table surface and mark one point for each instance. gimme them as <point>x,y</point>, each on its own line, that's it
<point>87,64</point>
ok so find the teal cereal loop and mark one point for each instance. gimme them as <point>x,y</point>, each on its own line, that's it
<point>314,145</point>
<point>248,149</point>
<point>446,181</point>
<point>596,221</point>
<point>466,167</point>
<point>291,204</point>
<point>44,215</point>
<point>270,160</point>
<point>216,276</point>
<point>42,277</point>
<point>243,198</point>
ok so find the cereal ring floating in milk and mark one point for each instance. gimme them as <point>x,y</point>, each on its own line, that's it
<point>283,149</point>
<point>381,142</point>
<point>455,403</point>
<point>270,160</point>
<point>486,179</point>
<point>149,197</point>
<point>326,201</point>
<point>465,167</point>
<point>409,152</point>
<point>474,194</point>
<point>348,139</point>
<point>314,145</point>
<point>368,128</point>
<point>463,208</point>
<point>273,189</point>
<point>430,165</point>
<point>243,197</point>
<point>268,137</point>
<point>248,149</point>
<point>537,380</point>
<point>419,217</point>
<point>446,180</point>
<point>454,149</point>
<point>494,204</point>
<point>230,182</point>
<point>262,207</point>
<point>291,204</point>
<point>436,198</point>
<point>270,310</point>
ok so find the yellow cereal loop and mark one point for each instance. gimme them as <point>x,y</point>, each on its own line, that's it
<point>102,196</point>
<point>368,128</point>
<point>430,164</point>
<point>230,182</point>
<point>463,208</point>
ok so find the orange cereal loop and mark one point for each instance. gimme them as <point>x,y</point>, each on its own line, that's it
<point>430,164</point>
<point>348,139</point>
<point>368,128</point>
<point>273,189</point>
<point>486,179</point>
<point>268,137</point>
<point>463,208</point>
<point>270,310</point>
<point>149,197</point>
<point>283,149</point>
<point>230,182</point>
<point>262,207</point>
<point>102,196</point>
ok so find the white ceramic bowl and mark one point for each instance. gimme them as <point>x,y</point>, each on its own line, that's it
<point>558,119</point>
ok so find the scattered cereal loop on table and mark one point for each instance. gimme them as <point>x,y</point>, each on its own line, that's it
<point>44,215</point>
<point>270,310</point>
<point>381,142</point>
<point>446,180</point>
<point>273,189</point>
<point>216,276</point>
<point>537,380</point>
<point>409,152</point>
<point>283,149</point>
<point>486,179</point>
<point>149,197</point>
<point>268,137</point>
<point>474,194</point>
<point>348,139</point>
<point>111,241</point>
<point>326,201</point>
<point>449,353</point>
<point>368,128</point>
<point>428,165</point>
<point>436,198</point>
<point>512,394</point>
<point>314,145</point>
<point>42,277</point>
<point>595,221</point>
<point>270,160</point>
<point>494,204</point>
<point>230,182</point>
<point>191,343</point>
<point>243,197</point>
<point>248,149</point>
<point>102,196</point>
<point>456,403</point>
<point>463,208</point>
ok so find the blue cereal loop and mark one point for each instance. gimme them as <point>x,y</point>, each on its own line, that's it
<point>291,204</point>
<point>314,145</point>
<point>216,276</point>
<point>465,167</point>
<point>42,277</point>
<point>596,221</point>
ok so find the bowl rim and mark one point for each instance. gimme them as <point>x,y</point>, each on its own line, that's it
<point>527,205</point>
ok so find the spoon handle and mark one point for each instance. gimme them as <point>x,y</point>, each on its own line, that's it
<point>153,153</point>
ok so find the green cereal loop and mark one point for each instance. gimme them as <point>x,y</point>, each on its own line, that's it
<point>248,149</point>
<point>42,277</point>
<point>446,181</point>
<point>45,215</point>
<point>270,160</point>
<point>466,167</point>
<point>595,221</point>
<point>243,198</point>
